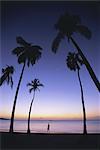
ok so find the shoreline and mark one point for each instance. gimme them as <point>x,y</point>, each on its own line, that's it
<point>46,133</point>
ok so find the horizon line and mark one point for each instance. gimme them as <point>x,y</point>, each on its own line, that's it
<point>52,119</point>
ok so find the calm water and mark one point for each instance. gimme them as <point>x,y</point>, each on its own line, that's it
<point>55,126</point>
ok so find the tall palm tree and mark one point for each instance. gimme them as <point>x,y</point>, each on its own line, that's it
<point>74,62</point>
<point>67,25</point>
<point>7,75</point>
<point>27,54</point>
<point>34,85</point>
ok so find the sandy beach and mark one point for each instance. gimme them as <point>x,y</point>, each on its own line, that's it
<point>44,140</point>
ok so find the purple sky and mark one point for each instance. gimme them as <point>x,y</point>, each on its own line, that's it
<point>60,96</point>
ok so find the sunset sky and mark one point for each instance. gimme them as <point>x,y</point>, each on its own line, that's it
<point>60,97</point>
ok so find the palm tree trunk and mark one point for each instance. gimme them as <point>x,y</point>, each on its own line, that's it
<point>89,68</point>
<point>14,105</point>
<point>28,130</point>
<point>82,97</point>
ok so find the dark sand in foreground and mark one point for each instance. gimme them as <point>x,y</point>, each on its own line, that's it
<point>42,140</point>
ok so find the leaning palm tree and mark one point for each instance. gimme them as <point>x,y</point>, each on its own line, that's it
<point>67,25</point>
<point>27,54</point>
<point>74,62</point>
<point>7,75</point>
<point>34,85</point>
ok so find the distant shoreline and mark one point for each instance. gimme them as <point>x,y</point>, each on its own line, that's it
<point>4,119</point>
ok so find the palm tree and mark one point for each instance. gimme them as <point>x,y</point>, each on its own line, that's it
<point>34,85</point>
<point>7,75</point>
<point>67,25</point>
<point>27,54</point>
<point>74,62</point>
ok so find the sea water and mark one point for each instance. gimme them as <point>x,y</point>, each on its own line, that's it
<point>56,126</point>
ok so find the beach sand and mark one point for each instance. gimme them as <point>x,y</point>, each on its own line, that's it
<point>44,141</point>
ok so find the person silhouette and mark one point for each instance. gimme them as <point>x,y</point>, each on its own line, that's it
<point>48,128</point>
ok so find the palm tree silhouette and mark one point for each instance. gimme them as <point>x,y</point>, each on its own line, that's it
<point>34,85</point>
<point>7,75</point>
<point>74,62</point>
<point>66,26</point>
<point>27,54</point>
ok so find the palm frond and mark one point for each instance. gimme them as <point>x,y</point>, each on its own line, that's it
<point>11,70</point>
<point>68,24</point>
<point>11,81</point>
<point>76,19</point>
<point>2,79</point>
<point>7,75</point>
<point>40,84</point>
<point>73,61</point>
<point>28,63</point>
<point>29,84</point>
<point>21,41</point>
<point>27,53</point>
<point>32,62</point>
<point>18,50</point>
<point>31,89</point>
<point>34,85</point>
<point>8,79</point>
<point>32,55</point>
<point>33,81</point>
<point>3,70</point>
<point>22,58</point>
<point>35,55</point>
<point>36,47</point>
<point>56,42</point>
<point>84,31</point>
<point>38,89</point>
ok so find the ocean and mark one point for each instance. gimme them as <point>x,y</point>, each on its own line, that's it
<point>56,126</point>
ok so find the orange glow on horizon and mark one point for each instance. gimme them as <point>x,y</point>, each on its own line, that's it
<point>51,116</point>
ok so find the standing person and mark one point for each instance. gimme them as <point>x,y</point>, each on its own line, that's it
<point>48,128</point>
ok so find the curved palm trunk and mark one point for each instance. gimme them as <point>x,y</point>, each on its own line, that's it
<point>82,97</point>
<point>14,105</point>
<point>28,130</point>
<point>89,68</point>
